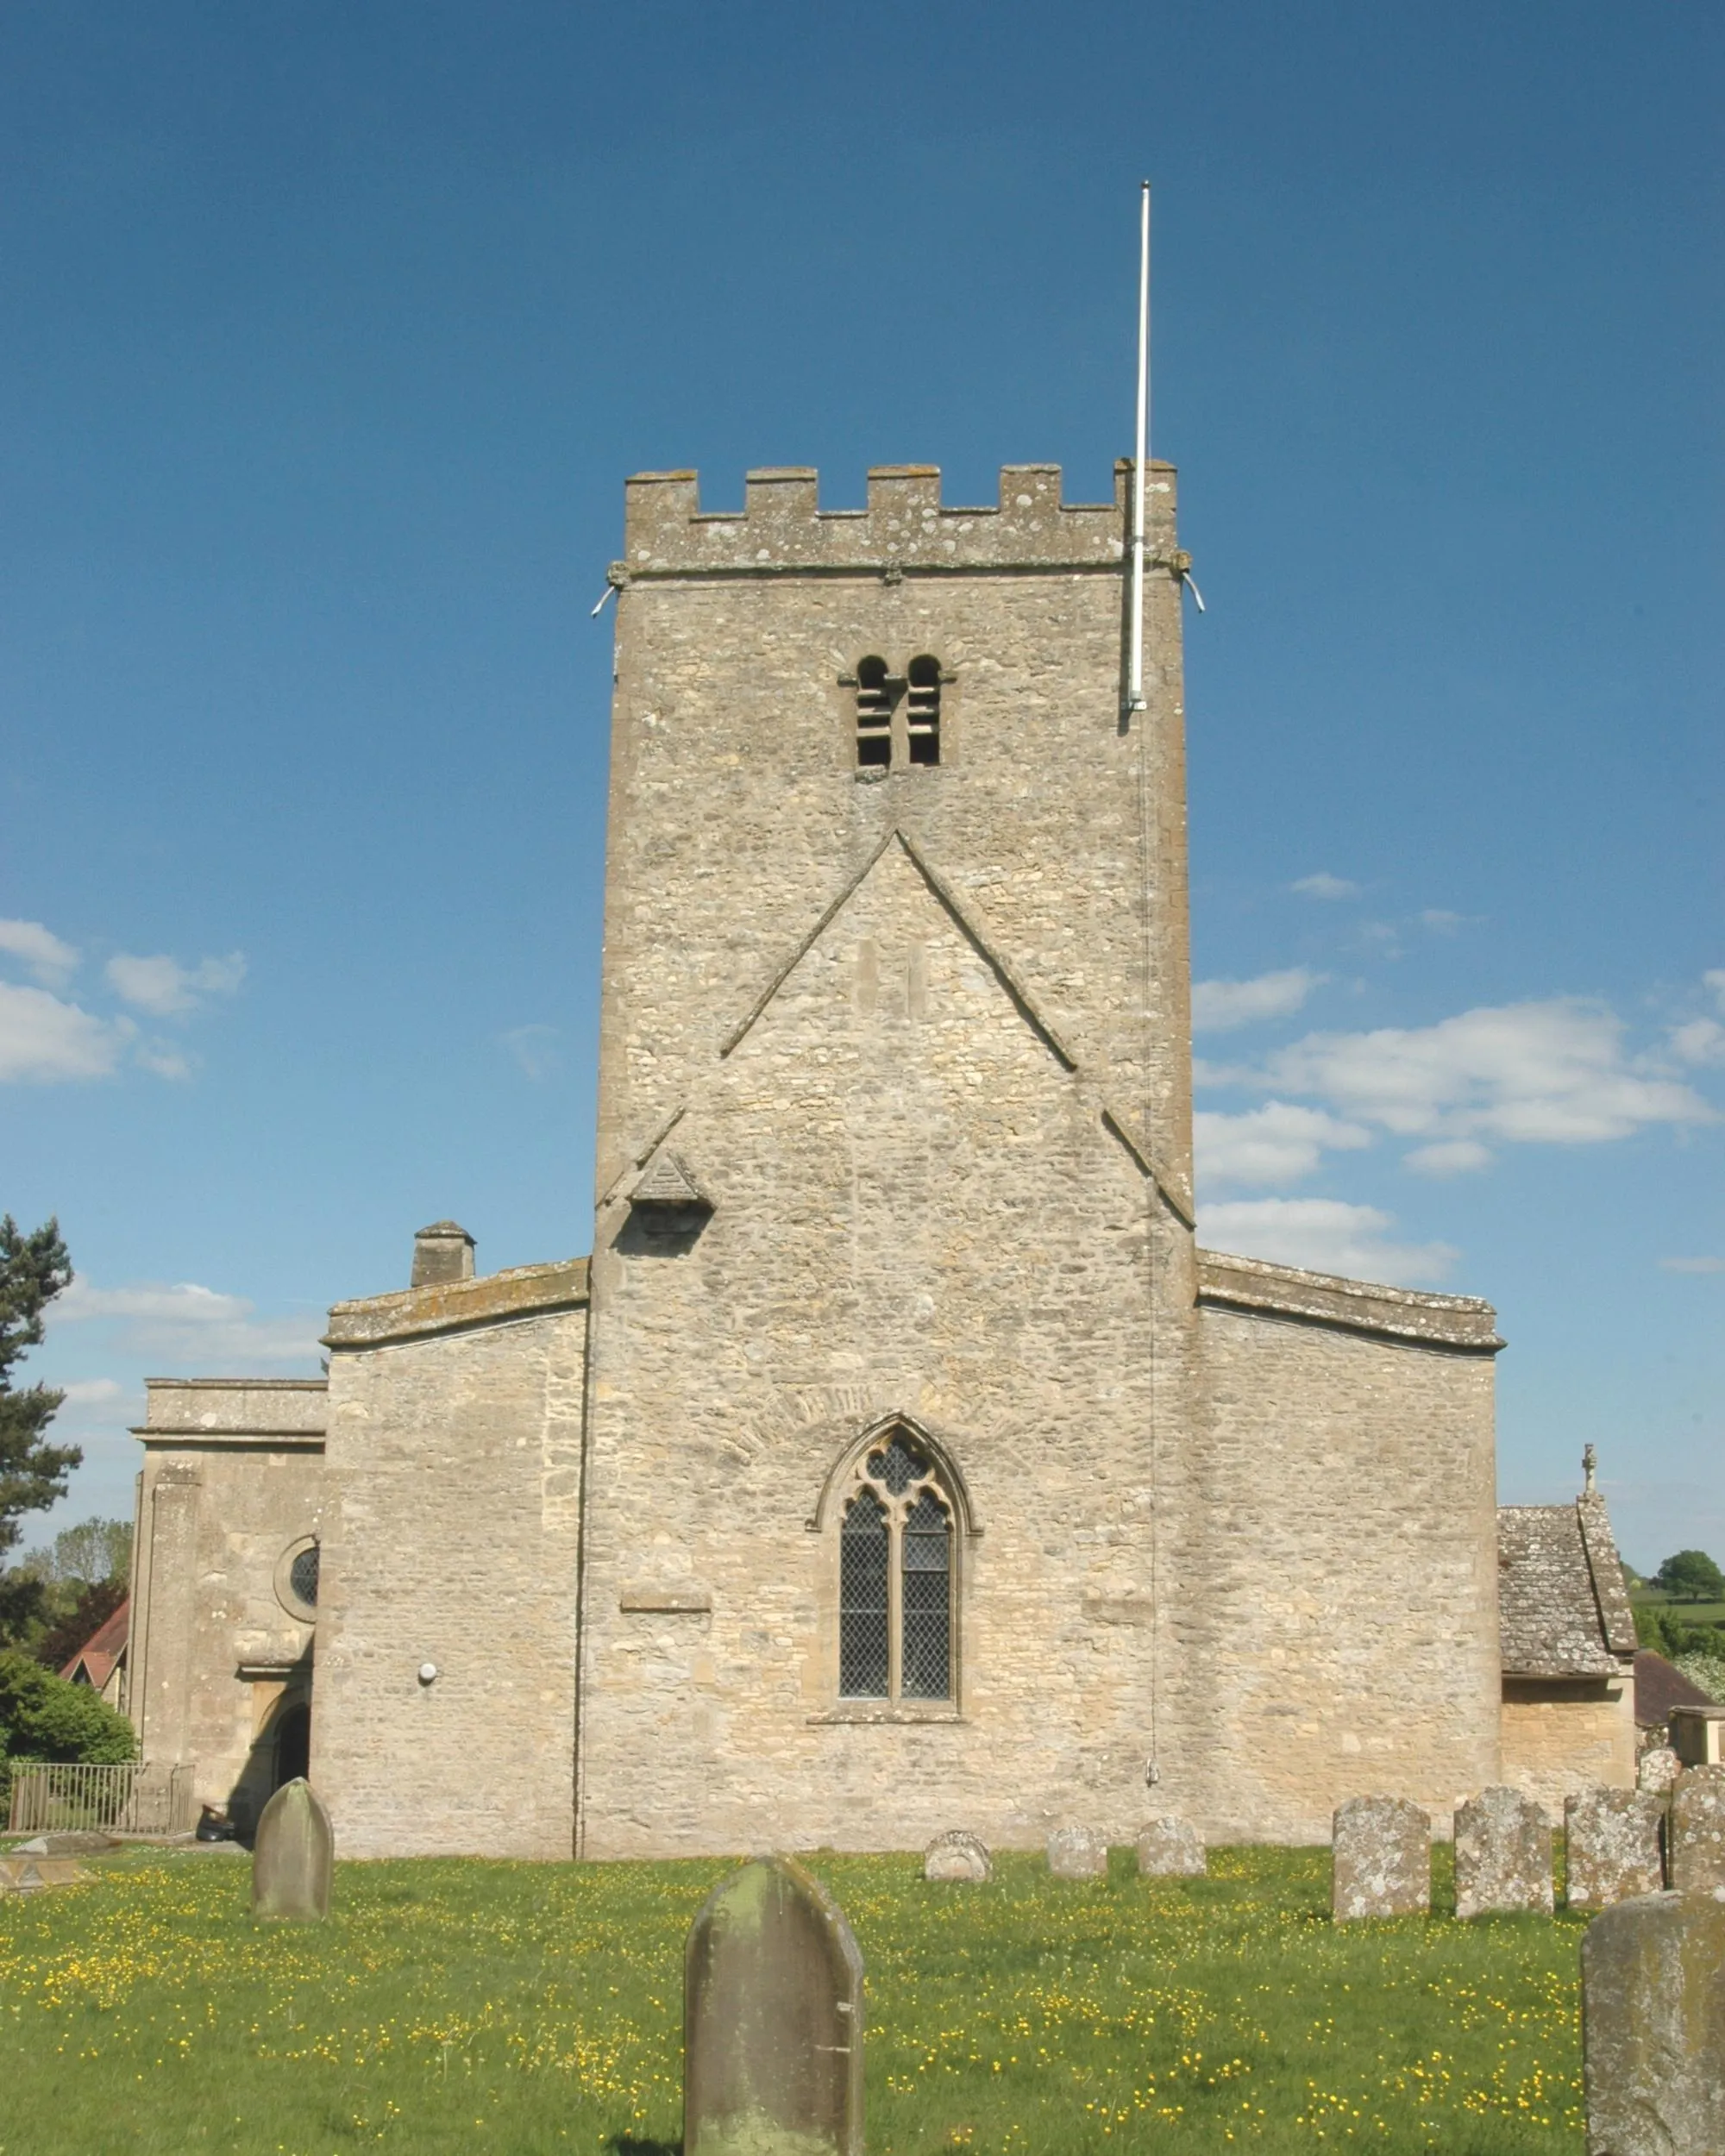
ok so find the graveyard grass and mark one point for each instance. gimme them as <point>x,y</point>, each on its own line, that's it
<point>470,2006</point>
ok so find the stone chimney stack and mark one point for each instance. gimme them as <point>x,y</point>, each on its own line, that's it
<point>443,1252</point>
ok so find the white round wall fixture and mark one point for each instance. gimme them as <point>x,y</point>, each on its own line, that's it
<point>427,1673</point>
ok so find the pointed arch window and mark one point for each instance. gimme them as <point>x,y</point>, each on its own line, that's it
<point>895,1579</point>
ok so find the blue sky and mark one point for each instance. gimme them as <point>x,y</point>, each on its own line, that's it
<point>328,336</point>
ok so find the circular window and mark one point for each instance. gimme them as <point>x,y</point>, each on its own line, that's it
<point>302,1577</point>
<point>296,1579</point>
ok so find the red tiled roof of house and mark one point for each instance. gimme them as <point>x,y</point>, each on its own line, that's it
<point>104,1648</point>
<point>1660,1686</point>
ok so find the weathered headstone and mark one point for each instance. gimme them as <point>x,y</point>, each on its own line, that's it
<point>1653,2027</point>
<point>293,1856</point>
<point>1381,1860</point>
<point>1698,1831</point>
<point>772,2020</point>
<point>1503,1854</point>
<point>1612,1847</point>
<point>1169,1847</point>
<point>1660,1767</point>
<point>77,1841</point>
<point>957,1854</point>
<point>1078,1852</point>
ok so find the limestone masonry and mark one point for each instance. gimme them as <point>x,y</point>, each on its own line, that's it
<point>897,1461</point>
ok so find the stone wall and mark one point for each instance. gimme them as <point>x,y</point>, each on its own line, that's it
<point>1340,1583</point>
<point>232,1484</point>
<point>1560,1738</point>
<point>451,1540</point>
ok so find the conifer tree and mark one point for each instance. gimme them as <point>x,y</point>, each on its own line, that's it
<point>34,1269</point>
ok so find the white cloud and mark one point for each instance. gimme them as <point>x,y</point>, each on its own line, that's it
<point>535,1049</point>
<point>93,1392</point>
<point>1701,1040</point>
<point>52,962</point>
<point>1715,978</point>
<point>1278,1142</point>
<point>1449,1157</point>
<point>1692,1264</point>
<point>43,1040</point>
<point>1441,920</point>
<point>1219,1006</point>
<point>163,985</point>
<point>1324,1235</point>
<point>185,1321</point>
<point>1552,1072</point>
<point>1323,885</point>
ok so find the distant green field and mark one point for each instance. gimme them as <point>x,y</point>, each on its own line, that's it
<point>466,2006</point>
<point>1687,1612</point>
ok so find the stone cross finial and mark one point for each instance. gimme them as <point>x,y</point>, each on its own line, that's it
<point>1590,1463</point>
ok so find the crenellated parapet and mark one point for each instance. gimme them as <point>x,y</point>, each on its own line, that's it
<point>905,528</point>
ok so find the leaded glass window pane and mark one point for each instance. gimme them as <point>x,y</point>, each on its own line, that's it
<point>925,1615</point>
<point>302,1576</point>
<point>897,1464</point>
<point>863,1599</point>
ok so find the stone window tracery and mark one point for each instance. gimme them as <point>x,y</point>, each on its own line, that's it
<point>895,1579</point>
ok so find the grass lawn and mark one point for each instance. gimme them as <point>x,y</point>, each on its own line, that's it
<point>472,2005</point>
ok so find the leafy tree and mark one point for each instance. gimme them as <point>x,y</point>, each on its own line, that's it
<point>92,1552</point>
<point>92,1605</point>
<point>44,1717</point>
<point>1691,1576</point>
<point>34,1269</point>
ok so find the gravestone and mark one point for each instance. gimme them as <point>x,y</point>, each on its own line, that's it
<point>75,1842</point>
<point>1611,1847</point>
<point>293,1856</point>
<point>957,1854</point>
<point>29,1875</point>
<point>1078,1852</point>
<point>1381,1860</point>
<point>1653,2027</point>
<point>772,2020</point>
<point>1503,1854</point>
<point>1658,1770</point>
<point>1169,1847</point>
<point>1697,1830</point>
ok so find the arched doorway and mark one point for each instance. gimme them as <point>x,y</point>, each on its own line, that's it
<point>292,1743</point>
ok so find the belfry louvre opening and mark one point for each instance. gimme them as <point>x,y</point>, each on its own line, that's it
<point>895,1581</point>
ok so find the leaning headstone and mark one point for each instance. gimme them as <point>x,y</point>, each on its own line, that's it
<point>1653,2027</point>
<point>1660,1767</point>
<point>293,1856</point>
<point>1612,1847</point>
<point>1078,1852</point>
<point>1169,1847</point>
<point>772,2020</point>
<point>957,1854</point>
<point>1503,1854</point>
<point>1698,1831</point>
<point>1381,1853</point>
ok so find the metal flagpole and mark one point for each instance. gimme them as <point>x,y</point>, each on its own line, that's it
<point>1135,672</point>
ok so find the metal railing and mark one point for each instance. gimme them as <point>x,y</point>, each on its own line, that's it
<point>131,1799</point>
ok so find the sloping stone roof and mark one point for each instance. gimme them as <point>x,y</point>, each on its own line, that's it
<point>1563,1609</point>
<point>1660,1686</point>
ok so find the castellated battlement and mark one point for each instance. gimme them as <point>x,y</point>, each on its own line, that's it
<point>905,527</point>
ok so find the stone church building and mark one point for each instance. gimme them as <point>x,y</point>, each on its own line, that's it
<point>897,1460</point>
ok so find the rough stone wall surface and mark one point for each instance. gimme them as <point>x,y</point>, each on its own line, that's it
<point>1562,1738</point>
<point>452,1539</point>
<point>1357,1475</point>
<point>1612,1847</point>
<point>1698,1831</point>
<point>919,1209</point>
<point>232,1480</point>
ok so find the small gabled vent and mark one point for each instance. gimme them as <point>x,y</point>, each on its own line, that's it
<point>668,1186</point>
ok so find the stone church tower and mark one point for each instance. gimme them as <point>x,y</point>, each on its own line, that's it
<point>896,1462</point>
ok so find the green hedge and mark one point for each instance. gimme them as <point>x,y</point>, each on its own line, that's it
<point>43,1716</point>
